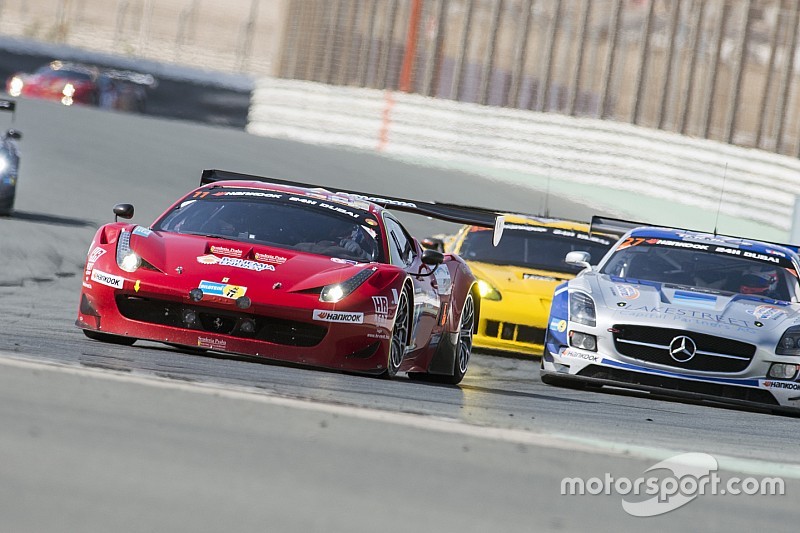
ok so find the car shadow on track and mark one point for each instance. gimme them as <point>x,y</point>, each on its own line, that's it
<point>521,394</point>
<point>52,220</point>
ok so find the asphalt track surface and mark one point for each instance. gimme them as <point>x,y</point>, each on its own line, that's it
<point>146,438</point>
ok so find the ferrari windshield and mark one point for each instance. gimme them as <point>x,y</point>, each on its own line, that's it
<point>532,247</point>
<point>280,220</point>
<point>705,266</point>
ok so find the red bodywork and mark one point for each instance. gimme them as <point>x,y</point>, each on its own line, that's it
<point>51,84</point>
<point>292,324</point>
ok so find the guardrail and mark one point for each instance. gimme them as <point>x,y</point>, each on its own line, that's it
<point>759,186</point>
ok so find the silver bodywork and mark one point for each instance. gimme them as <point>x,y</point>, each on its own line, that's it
<point>675,339</point>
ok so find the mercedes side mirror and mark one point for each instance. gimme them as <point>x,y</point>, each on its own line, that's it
<point>123,211</point>
<point>579,258</point>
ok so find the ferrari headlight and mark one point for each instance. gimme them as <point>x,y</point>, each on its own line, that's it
<point>790,342</point>
<point>338,291</point>
<point>127,259</point>
<point>581,309</point>
<point>15,86</point>
<point>488,292</point>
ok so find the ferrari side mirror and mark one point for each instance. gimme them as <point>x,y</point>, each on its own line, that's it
<point>432,257</point>
<point>123,211</point>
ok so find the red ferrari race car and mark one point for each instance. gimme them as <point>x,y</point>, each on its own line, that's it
<point>291,272</point>
<point>77,83</point>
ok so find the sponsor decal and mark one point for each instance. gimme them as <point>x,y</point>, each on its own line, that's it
<point>684,315</point>
<point>381,304</point>
<point>381,336</point>
<point>347,262</point>
<point>224,250</point>
<point>574,354</point>
<point>325,205</point>
<point>269,258</point>
<point>767,312</point>
<point>94,255</point>
<point>234,262</point>
<point>253,194</point>
<point>87,285</point>
<point>109,280</point>
<point>629,292</point>
<point>786,385</point>
<point>211,343</point>
<point>345,317</point>
<point>775,252</point>
<point>384,201</point>
<point>136,285</point>
<point>537,276</point>
<point>221,289</point>
<point>558,325</point>
<point>208,259</point>
<point>371,222</point>
<point>142,231</point>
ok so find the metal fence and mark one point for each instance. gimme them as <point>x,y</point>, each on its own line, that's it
<point>718,69</point>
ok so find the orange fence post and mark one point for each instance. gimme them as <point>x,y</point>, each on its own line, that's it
<point>407,72</point>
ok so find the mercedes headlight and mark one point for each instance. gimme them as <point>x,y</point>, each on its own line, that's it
<point>127,259</point>
<point>581,309</point>
<point>338,291</point>
<point>790,342</point>
<point>488,292</point>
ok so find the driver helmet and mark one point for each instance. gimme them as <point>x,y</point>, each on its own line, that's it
<point>759,280</point>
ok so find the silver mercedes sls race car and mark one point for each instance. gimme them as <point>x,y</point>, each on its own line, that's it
<point>681,313</point>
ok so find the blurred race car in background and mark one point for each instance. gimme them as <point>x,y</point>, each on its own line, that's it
<point>683,313</point>
<point>77,83</point>
<point>516,279</point>
<point>9,161</point>
<point>287,271</point>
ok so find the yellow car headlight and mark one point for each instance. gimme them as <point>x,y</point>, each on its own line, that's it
<point>488,292</point>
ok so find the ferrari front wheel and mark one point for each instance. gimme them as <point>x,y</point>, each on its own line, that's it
<point>107,337</point>
<point>397,348</point>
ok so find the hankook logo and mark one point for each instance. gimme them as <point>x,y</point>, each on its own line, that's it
<point>682,349</point>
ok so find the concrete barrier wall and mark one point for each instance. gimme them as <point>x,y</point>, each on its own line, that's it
<point>759,186</point>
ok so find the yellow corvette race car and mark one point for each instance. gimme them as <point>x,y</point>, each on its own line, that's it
<point>517,278</point>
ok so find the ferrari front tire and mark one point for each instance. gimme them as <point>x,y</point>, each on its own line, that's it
<point>109,338</point>
<point>399,341</point>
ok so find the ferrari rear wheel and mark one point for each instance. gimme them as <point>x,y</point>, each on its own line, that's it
<point>465,332</point>
<point>397,348</point>
<point>107,337</point>
<point>462,350</point>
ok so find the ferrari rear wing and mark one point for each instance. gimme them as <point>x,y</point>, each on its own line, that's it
<point>620,227</point>
<point>613,226</point>
<point>460,214</point>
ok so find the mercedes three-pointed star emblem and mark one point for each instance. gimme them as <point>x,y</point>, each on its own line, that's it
<point>682,349</point>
